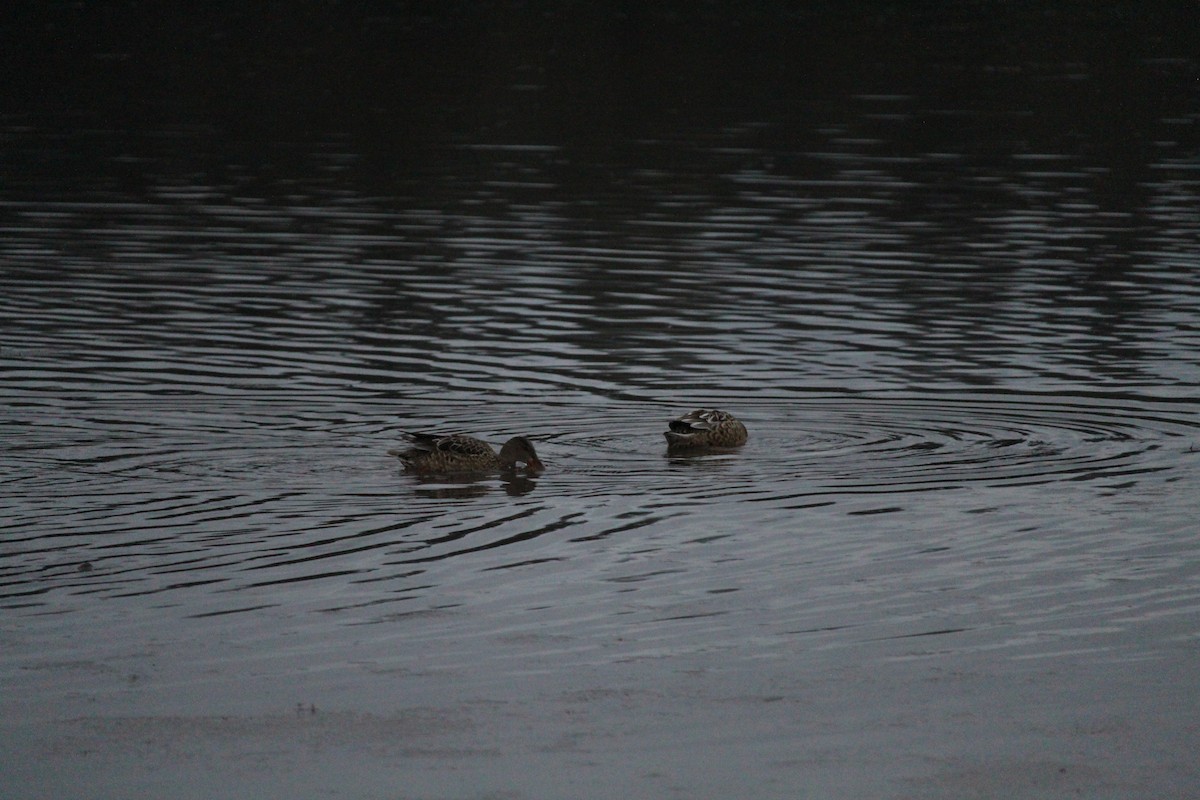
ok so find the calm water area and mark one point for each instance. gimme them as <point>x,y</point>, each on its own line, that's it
<point>942,260</point>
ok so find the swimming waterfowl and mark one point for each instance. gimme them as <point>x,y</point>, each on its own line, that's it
<point>433,453</point>
<point>705,428</point>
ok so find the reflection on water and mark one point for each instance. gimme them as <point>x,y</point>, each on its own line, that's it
<point>445,487</point>
<point>955,307</point>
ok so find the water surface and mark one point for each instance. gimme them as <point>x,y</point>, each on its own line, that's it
<point>943,268</point>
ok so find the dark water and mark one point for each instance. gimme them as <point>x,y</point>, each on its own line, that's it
<point>943,266</point>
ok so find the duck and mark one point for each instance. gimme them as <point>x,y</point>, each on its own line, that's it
<point>430,453</point>
<point>705,428</point>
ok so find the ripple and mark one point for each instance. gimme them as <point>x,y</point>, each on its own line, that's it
<point>897,443</point>
<point>987,407</point>
<point>239,496</point>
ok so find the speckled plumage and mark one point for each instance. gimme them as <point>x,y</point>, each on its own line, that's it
<point>705,428</point>
<point>434,453</point>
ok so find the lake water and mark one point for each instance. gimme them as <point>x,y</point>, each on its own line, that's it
<point>944,267</point>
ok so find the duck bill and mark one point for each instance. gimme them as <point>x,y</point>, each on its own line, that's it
<point>533,465</point>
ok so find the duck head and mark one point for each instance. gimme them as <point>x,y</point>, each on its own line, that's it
<point>520,449</point>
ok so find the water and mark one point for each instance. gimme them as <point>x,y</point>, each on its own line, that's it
<point>942,267</point>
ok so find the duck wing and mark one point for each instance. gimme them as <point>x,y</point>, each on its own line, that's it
<point>701,419</point>
<point>464,446</point>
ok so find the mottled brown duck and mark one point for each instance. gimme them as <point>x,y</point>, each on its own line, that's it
<point>705,428</point>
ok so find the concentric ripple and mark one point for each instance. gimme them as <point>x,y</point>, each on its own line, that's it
<point>892,443</point>
<point>192,497</point>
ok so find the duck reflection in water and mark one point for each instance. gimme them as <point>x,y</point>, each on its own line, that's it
<point>452,487</point>
<point>463,487</point>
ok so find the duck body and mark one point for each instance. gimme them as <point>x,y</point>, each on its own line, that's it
<point>431,453</point>
<point>705,428</point>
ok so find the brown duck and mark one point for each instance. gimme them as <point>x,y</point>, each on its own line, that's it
<point>434,453</point>
<point>705,428</point>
